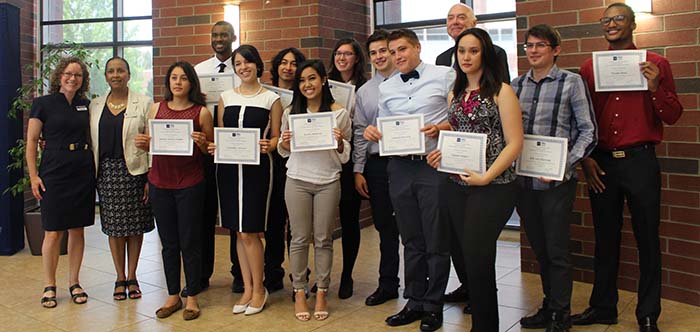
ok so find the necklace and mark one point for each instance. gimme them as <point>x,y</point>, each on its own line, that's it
<point>240,92</point>
<point>116,107</point>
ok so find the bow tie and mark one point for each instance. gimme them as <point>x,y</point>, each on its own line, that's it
<point>410,75</point>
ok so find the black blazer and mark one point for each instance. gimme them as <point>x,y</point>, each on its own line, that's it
<point>445,59</point>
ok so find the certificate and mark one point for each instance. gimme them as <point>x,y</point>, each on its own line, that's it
<point>237,146</point>
<point>619,70</point>
<point>285,95</point>
<point>462,150</point>
<point>312,131</point>
<point>543,156</point>
<point>214,84</point>
<point>401,135</point>
<point>343,93</point>
<point>171,137</point>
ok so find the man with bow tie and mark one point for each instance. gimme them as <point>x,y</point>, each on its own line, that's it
<point>420,88</point>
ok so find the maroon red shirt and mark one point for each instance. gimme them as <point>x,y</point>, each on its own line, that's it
<point>630,118</point>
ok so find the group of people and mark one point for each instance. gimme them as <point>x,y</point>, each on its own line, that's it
<point>439,217</point>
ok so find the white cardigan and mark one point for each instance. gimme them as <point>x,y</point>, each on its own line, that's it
<point>135,122</point>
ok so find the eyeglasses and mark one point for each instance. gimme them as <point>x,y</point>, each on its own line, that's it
<point>343,54</point>
<point>616,18</point>
<point>69,75</point>
<point>529,46</point>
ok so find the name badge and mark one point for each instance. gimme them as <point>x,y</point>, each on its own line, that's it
<point>81,108</point>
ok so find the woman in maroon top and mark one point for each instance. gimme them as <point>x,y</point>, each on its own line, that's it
<point>176,188</point>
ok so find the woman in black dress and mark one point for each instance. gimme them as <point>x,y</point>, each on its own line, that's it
<point>65,182</point>
<point>115,119</point>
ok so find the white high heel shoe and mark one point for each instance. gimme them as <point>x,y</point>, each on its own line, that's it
<point>240,308</point>
<point>252,310</point>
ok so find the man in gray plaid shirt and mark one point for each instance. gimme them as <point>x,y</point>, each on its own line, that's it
<point>555,102</point>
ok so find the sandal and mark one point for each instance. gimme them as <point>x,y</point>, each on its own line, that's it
<point>303,316</point>
<point>78,295</point>
<point>119,296</point>
<point>321,314</point>
<point>46,300</point>
<point>136,293</point>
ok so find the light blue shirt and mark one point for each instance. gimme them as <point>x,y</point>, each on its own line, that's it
<point>366,110</point>
<point>425,95</point>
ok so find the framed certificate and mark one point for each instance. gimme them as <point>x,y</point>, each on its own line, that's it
<point>171,137</point>
<point>237,146</point>
<point>286,96</point>
<point>401,135</point>
<point>543,156</point>
<point>214,84</point>
<point>343,93</point>
<point>619,70</point>
<point>312,131</point>
<point>462,150</point>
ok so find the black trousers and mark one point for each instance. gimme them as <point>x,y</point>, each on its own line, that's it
<point>545,215</point>
<point>349,209</point>
<point>211,207</point>
<point>479,214</point>
<point>413,188</point>
<point>636,179</point>
<point>178,215</point>
<point>276,220</point>
<point>384,221</point>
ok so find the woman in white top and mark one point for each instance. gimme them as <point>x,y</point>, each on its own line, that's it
<point>312,190</point>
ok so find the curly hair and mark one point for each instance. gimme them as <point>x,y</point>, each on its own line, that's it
<point>57,73</point>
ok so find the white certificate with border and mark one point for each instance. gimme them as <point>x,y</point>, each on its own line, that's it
<point>286,96</point>
<point>312,131</point>
<point>214,84</point>
<point>619,70</point>
<point>543,156</point>
<point>401,135</point>
<point>343,93</point>
<point>237,146</point>
<point>462,150</point>
<point>171,137</point>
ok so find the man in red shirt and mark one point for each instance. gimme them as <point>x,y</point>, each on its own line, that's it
<point>624,168</point>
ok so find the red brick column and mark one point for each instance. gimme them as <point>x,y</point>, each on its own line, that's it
<point>672,30</point>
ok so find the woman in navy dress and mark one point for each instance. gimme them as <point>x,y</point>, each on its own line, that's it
<point>65,183</point>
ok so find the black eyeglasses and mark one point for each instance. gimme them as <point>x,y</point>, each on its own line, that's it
<point>343,54</point>
<point>616,18</point>
<point>529,46</point>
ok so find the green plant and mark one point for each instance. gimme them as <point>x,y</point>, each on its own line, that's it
<point>40,72</point>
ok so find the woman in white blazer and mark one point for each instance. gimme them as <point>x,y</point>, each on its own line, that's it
<point>121,173</point>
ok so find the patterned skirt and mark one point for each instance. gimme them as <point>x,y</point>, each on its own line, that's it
<point>122,210</point>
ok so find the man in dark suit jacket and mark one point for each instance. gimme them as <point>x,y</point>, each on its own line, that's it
<point>461,17</point>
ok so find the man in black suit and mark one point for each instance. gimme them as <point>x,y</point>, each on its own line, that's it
<point>461,17</point>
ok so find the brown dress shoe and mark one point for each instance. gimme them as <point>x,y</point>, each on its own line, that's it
<point>190,314</point>
<point>165,312</point>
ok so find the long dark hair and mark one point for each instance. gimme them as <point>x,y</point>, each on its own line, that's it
<point>299,102</point>
<point>492,72</point>
<point>277,61</point>
<point>358,69</point>
<point>195,94</point>
<point>250,53</point>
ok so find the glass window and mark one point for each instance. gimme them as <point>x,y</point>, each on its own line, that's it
<point>136,30</point>
<point>135,8</point>
<point>503,34</point>
<point>402,11</point>
<point>60,10</point>
<point>78,33</point>
<point>141,64</point>
<point>482,7</point>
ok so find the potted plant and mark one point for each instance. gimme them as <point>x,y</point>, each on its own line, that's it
<point>40,72</point>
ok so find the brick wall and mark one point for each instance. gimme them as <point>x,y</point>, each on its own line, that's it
<point>181,28</point>
<point>672,30</point>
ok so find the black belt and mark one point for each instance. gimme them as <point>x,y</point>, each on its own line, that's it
<point>420,157</point>
<point>69,147</point>
<point>627,152</point>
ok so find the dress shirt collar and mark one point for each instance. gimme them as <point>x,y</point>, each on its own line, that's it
<point>552,75</point>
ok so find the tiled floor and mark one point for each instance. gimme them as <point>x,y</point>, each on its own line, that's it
<point>20,290</point>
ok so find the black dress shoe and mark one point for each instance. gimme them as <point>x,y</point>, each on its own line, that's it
<point>431,321</point>
<point>536,321</point>
<point>467,308</point>
<point>380,296</point>
<point>461,294</point>
<point>404,317</point>
<point>237,285</point>
<point>558,322</point>
<point>648,325</point>
<point>594,316</point>
<point>345,289</point>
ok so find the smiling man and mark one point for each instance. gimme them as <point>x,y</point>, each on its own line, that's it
<point>555,102</point>
<point>623,167</point>
<point>420,88</point>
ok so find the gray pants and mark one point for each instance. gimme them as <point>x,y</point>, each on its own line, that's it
<point>312,210</point>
